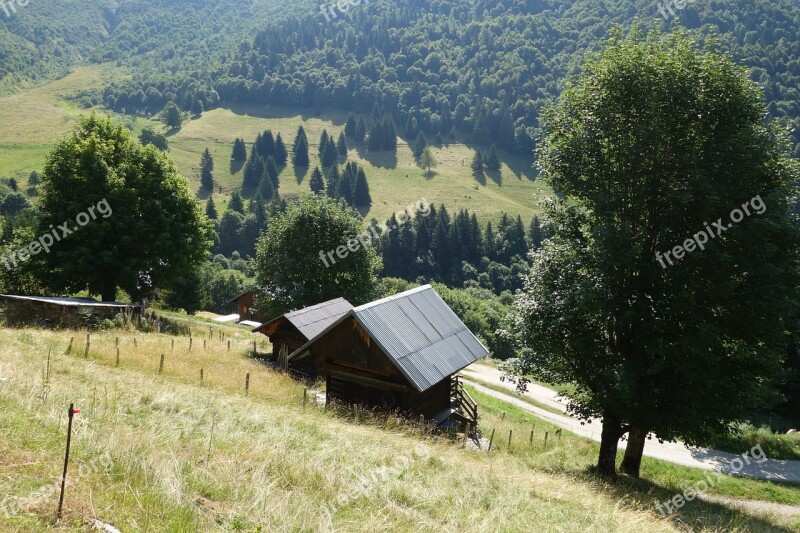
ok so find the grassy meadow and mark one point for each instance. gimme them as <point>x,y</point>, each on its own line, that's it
<point>41,115</point>
<point>190,456</point>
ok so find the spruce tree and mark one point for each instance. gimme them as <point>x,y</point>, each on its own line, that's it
<point>266,147</point>
<point>281,155</point>
<point>341,146</point>
<point>332,181</point>
<point>272,171</point>
<point>300,157</point>
<point>323,144</point>
<point>419,145</point>
<point>266,187</point>
<point>477,164</point>
<point>239,152</point>
<point>211,209</point>
<point>492,159</point>
<point>361,129</point>
<point>351,127</point>
<point>253,170</point>
<point>206,168</point>
<point>236,203</point>
<point>316,182</point>
<point>361,196</point>
<point>329,155</point>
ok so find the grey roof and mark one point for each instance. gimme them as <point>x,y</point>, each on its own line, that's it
<point>419,332</point>
<point>70,302</point>
<point>311,321</point>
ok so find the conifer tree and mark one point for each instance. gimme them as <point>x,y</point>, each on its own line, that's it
<point>329,155</point>
<point>351,127</point>
<point>211,209</point>
<point>492,159</point>
<point>332,181</point>
<point>281,155</point>
<point>206,168</point>
<point>341,146</point>
<point>361,129</point>
<point>271,170</point>
<point>300,157</point>
<point>239,152</point>
<point>477,164</point>
<point>316,182</point>
<point>236,203</point>
<point>361,196</point>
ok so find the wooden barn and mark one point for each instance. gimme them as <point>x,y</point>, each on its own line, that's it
<point>246,306</point>
<point>289,332</point>
<point>401,352</point>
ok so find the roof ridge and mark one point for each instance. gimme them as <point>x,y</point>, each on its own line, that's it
<point>393,297</point>
<point>302,310</point>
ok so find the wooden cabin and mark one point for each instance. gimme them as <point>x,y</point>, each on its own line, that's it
<point>289,332</point>
<point>246,306</point>
<point>401,352</point>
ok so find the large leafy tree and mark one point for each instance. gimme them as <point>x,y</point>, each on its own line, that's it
<point>292,265</point>
<point>651,143</point>
<point>154,231</point>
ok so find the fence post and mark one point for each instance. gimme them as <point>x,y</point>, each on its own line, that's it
<point>491,440</point>
<point>510,431</point>
<point>545,439</point>
<point>201,376</point>
<point>247,384</point>
<point>161,364</point>
<point>69,348</point>
<point>86,350</point>
<point>72,413</point>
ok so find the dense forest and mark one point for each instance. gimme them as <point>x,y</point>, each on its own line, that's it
<point>483,69</point>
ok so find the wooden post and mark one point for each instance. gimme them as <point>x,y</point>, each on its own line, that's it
<point>255,351</point>
<point>47,371</point>
<point>530,442</point>
<point>503,417</point>
<point>190,343</point>
<point>117,355</point>
<point>305,397</point>
<point>72,412</point>
<point>545,439</point>
<point>247,384</point>
<point>88,343</point>
<point>229,345</point>
<point>173,345</point>
<point>135,343</point>
<point>491,440</point>
<point>161,364</point>
<point>510,431</point>
<point>69,348</point>
<point>201,376</point>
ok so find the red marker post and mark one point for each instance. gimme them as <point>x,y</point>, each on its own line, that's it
<point>72,412</point>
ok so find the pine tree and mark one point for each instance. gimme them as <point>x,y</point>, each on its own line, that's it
<point>351,127</point>
<point>361,129</point>
<point>253,170</point>
<point>361,196</point>
<point>211,209</point>
<point>536,234</point>
<point>341,146</point>
<point>206,168</point>
<point>236,203</point>
<point>272,172</point>
<point>300,157</point>
<point>266,146</point>
<point>419,145</point>
<point>332,181</point>
<point>477,164</point>
<point>492,159</point>
<point>266,187</point>
<point>323,144</point>
<point>316,182</point>
<point>329,154</point>
<point>239,152</point>
<point>301,134</point>
<point>281,155</point>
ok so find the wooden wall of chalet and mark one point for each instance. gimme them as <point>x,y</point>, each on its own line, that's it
<point>285,334</point>
<point>359,372</point>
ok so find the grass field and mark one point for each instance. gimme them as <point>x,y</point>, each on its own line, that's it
<point>145,456</point>
<point>35,118</point>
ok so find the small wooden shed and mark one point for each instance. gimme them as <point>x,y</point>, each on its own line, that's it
<point>401,352</point>
<point>246,306</point>
<point>289,332</point>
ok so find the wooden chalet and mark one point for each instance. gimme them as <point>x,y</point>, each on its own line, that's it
<point>246,306</point>
<point>289,332</point>
<point>401,352</point>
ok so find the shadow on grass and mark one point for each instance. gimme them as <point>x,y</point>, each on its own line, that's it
<point>235,166</point>
<point>379,158</point>
<point>695,515</point>
<point>336,117</point>
<point>300,173</point>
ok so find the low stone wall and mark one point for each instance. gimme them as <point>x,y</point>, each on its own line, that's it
<point>33,313</point>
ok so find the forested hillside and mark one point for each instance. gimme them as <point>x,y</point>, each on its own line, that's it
<point>484,69</point>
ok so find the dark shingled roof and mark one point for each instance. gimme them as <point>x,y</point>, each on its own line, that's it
<point>419,333</point>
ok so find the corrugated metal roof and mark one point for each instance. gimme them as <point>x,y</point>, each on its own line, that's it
<point>419,332</point>
<point>311,321</point>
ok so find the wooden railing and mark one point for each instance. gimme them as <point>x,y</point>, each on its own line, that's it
<point>463,401</point>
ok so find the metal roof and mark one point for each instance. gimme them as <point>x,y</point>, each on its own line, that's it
<point>311,321</point>
<point>419,332</point>
<point>70,302</point>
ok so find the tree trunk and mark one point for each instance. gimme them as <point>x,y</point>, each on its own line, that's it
<point>109,294</point>
<point>632,461</point>
<point>609,440</point>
